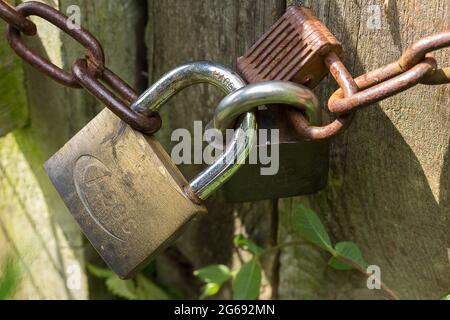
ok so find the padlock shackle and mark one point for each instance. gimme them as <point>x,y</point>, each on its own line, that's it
<point>265,93</point>
<point>237,150</point>
<point>185,76</point>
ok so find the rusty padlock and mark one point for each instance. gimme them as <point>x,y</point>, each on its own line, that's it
<point>122,188</point>
<point>292,50</point>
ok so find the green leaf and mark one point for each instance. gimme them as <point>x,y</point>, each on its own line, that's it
<point>217,273</point>
<point>349,250</point>
<point>311,228</point>
<point>121,288</point>
<point>174,293</point>
<point>148,290</point>
<point>446,297</point>
<point>100,272</point>
<point>9,279</point>
<point>242,242</point>
<point>209,290</point>
<point>247,283</point>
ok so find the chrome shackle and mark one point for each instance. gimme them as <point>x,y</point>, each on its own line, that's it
<point>227,81</point>
<point>264,93</point>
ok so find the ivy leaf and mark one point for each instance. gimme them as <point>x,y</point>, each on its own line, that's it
<point>209,290</point>
<point>242,242</point>
<point>121,288</point>
<point>148,290</point>
<point>311,228</point>
<point>216,273</point>
<point>100,272</point>
<point>349,250</point>
<point>247,283</point>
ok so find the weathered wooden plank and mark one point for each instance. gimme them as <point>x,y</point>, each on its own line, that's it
<point>182,31</point>
<point>389,184</point>
<point>28,203</point>
<point>35,219</point>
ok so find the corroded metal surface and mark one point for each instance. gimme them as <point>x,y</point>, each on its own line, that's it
<point>292,50</point>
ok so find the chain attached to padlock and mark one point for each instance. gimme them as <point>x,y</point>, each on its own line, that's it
<point>85,73</point>
<point>300,48</point>
<point>122,187</point>
<point>297,48</point>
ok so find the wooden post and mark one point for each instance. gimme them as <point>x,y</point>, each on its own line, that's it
<point>389,182</point>
<point>183,31</point>
<point>13,104</point>
<point>35,223</point>
<point>389,186</point>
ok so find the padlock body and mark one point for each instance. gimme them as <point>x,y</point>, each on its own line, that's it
<point>292,50</point>
<point>303,165</point>
<point>123,190</point>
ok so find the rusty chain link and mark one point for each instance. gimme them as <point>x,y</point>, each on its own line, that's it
<point>85,73</point>
<point>416,66</point>
<point>13,18</point>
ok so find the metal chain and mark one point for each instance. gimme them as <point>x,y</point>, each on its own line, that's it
<point>85,73</point>
<point>416,66</point>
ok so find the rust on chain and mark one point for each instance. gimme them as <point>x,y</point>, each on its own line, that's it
<point>349,87</point>
<point>295,49</point>
<point>417,52</point>
<point>15,19</point>
<point>86,72</point>
<point>95,55</point>
<point>421,48</point>
<point>147,124</point>
<point>300,48</point>
<point>375,89</point>
<point>416,65</point>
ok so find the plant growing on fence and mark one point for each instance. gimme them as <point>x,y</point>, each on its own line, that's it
<point>246,282</point>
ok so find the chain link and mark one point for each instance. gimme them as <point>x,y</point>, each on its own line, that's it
<point>416,66</point>
<point>85,73</point>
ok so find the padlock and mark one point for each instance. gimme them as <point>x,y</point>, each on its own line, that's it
<point>122,188</point>
<point>292,50</point>
<point>295,168</point>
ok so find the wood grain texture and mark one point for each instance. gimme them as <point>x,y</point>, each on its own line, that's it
<point>124,191</point>
<point>13,103</point>
<point>389,187</point>
<point>389,183</point>
<point>29,203</point>
<point>34,215</point>
<point>221,31</point>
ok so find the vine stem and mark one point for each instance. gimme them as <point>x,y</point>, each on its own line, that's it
<point>350,262</point>
<point>361,269</point>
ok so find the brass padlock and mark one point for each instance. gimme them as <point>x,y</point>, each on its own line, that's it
<point>294,49</point>
<point>122,188</point>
